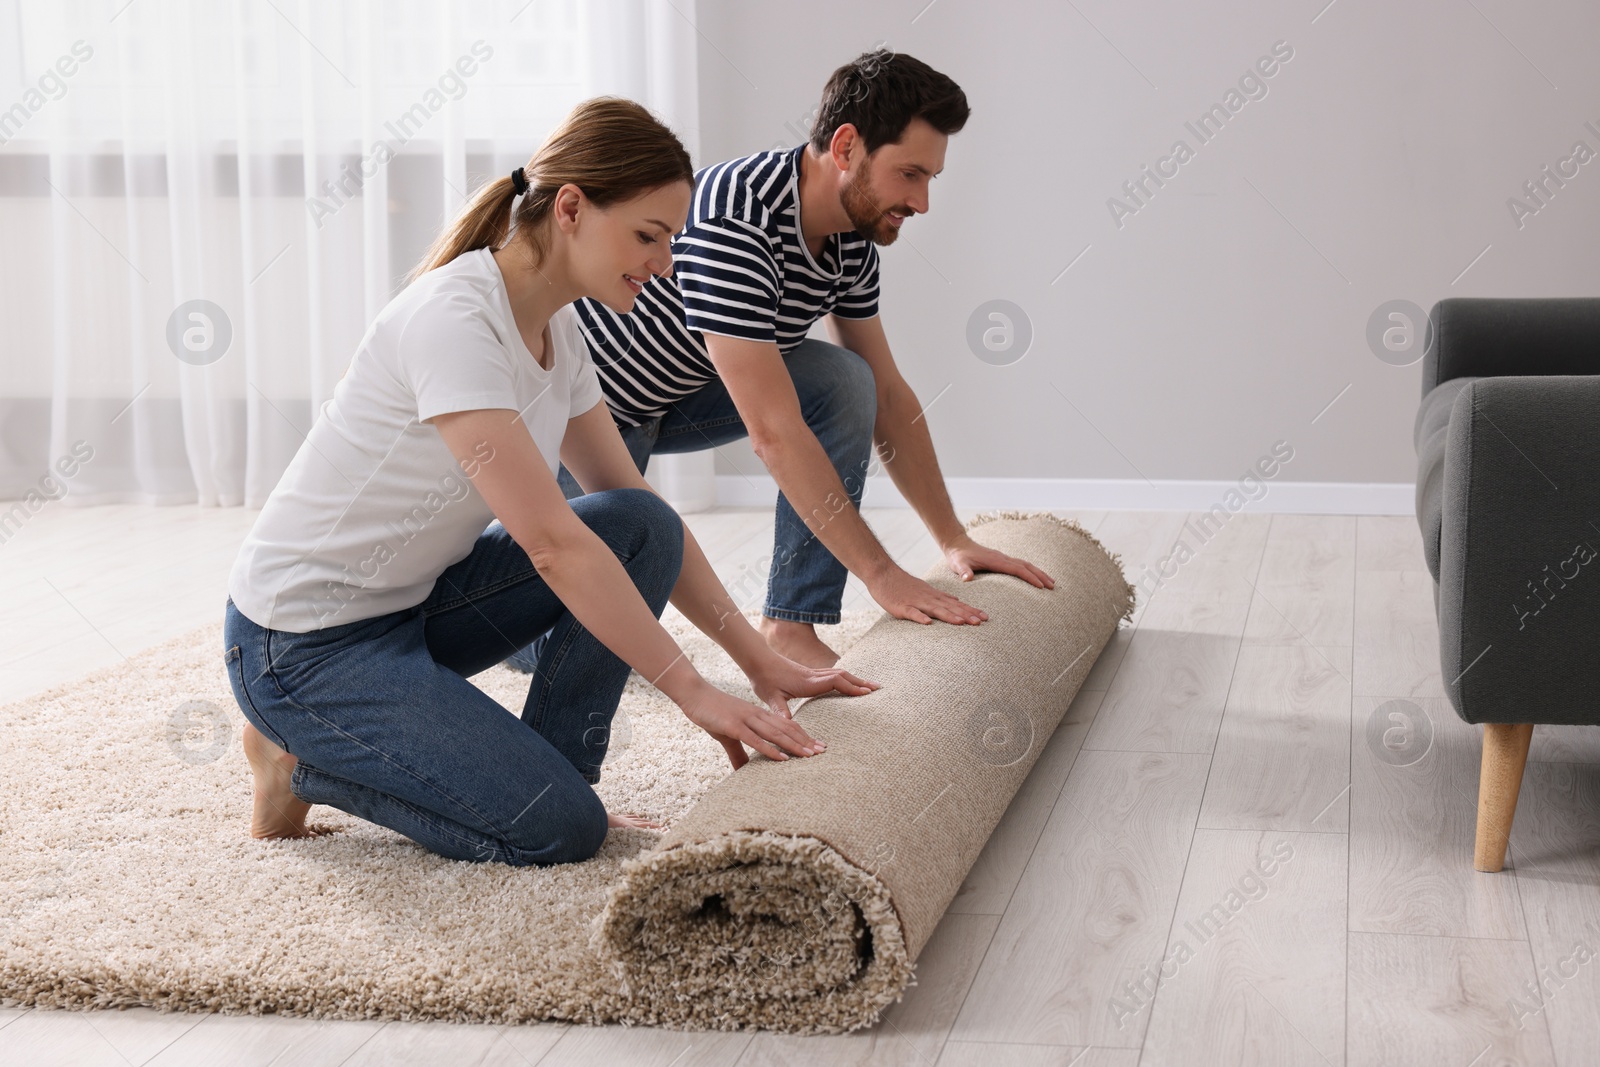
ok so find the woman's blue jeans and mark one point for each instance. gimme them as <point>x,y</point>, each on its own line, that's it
<point>385,725</point>
<point>839,401</point>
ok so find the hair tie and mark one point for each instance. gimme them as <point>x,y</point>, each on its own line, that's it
<point>519,182</point>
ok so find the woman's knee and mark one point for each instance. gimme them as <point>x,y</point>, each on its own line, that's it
<point>580,830</point>
<point>662,520</point>
<point>654,526</point>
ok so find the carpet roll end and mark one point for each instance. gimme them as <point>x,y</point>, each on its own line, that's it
<point>753,929</point>
<point>796,896</point>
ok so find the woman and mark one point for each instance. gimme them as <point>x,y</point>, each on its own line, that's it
<point>369,588</point>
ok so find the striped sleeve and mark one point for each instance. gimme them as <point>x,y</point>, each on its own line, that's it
<point>728,277</point>
<point>860,301</point>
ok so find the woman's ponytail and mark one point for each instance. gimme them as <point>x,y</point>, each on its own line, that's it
<point>613,149</point>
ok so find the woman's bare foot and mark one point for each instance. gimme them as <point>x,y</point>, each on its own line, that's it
<point>278,812</point>
<point>637,822</point>
<point>798,641</point>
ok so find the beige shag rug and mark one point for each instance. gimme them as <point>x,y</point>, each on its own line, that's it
<point>128,876</point>
<point>793,896</point>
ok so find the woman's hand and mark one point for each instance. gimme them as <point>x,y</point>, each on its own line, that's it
<point>736,723</point>
<point>777,679</point>
<point>636,822</point>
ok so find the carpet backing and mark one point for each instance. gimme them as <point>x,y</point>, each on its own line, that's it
<point>797,894</point>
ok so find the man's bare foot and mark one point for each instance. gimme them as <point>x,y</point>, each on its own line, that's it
<point>798,641</point>
<point>278,812</point>
<point>637,822</point>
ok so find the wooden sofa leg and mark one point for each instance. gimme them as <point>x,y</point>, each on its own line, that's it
<point>1505,754</point>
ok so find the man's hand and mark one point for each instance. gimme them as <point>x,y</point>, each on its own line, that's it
<point>966,557</point>
<point>907,597</point>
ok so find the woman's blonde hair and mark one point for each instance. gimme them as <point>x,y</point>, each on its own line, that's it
<point>611,148</point>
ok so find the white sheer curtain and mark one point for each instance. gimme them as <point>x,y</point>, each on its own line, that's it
<point>203,204</point>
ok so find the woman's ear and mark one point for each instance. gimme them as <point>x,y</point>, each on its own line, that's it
<point>568,205</point>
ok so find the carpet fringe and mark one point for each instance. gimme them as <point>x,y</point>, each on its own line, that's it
<point>1126,612</point>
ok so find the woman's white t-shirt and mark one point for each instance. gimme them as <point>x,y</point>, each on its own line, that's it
<point>374,506</point>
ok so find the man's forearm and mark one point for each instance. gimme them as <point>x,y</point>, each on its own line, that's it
<point>903,438</point>
<point>806,476</point>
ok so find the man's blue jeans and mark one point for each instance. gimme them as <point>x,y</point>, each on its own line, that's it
<point>386,726</point>
<point>839,402</point>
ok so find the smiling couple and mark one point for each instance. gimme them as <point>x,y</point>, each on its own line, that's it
<point>602,303</point>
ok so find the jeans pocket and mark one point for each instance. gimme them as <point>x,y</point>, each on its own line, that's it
<point>233,658</point>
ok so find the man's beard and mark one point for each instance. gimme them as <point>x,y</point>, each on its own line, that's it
<point>865,213</point>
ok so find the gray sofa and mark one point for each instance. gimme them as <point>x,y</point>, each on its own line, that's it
<point>1508,498</point>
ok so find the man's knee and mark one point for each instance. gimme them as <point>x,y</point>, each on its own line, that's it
<point>851,390</point>
<point>857,372</point>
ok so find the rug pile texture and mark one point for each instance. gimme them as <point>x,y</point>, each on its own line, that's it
<point>791,896</point>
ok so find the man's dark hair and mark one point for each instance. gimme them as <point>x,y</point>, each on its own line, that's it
<point>880,92</point>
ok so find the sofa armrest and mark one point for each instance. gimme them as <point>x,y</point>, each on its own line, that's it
<point>1519,551</point>
<point>1428,435</point>
<point>1484,337</point>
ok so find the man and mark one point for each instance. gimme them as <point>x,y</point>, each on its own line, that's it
<point>773,242</point>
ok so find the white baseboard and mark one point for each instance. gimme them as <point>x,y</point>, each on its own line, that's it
<point>1114,494</point>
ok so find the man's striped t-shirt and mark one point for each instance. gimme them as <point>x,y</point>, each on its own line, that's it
<point>739,268</point>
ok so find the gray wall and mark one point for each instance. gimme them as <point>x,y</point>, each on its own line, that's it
<point>1233,307</point>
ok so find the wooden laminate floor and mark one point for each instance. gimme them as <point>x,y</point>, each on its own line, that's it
<point>1250,842</point>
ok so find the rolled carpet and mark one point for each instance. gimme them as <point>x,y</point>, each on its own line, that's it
<point>797,894</point>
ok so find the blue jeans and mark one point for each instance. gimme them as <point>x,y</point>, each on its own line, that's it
<point>838,399</point>
<point>386,726</point>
